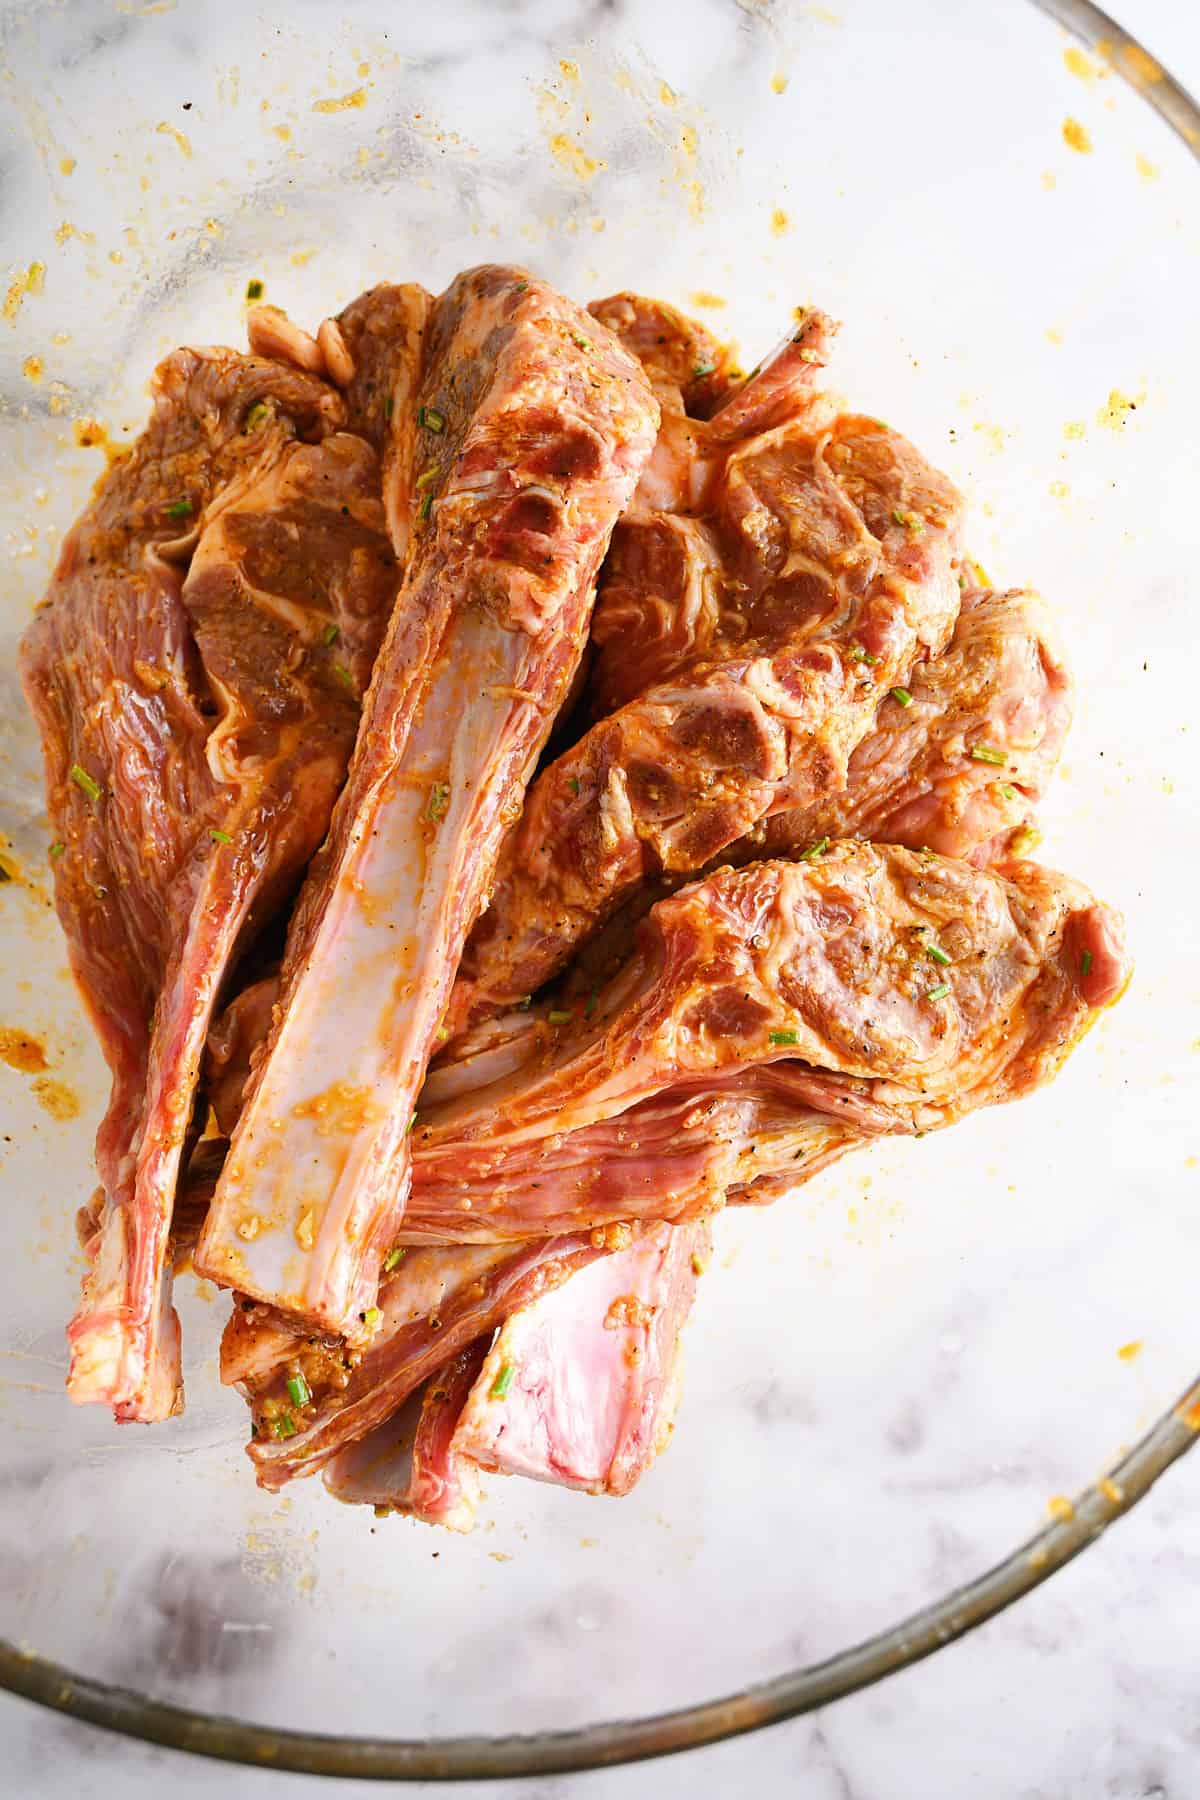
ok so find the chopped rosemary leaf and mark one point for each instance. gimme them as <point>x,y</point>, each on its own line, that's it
<point>84,781</point>
<point>57,850</point>
<point>558,1017</point>
<point>218,836</point>
<point>426,507</point>
<point>430,419</point>
<point>937,954</point>
<point>388,405</point>
<point>283,1426</point>
<point>393,1258</point>
<point>1085,964</point>
<point>179,509</point>
<point>984,753</point>
<point>439,800</point>
<point>299,1391</point>
<point>330,635</point>
<point>939,992</point>
<point>503,1382</point>
<point>814,850</point>
<point>901,695</point>
<point>254,290</point>
<point>784,1037</point>
<point>372,1317</point>
<point>573,784</point>
<point>703,369</point>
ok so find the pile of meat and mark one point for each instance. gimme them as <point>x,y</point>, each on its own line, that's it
<point>520,784</point>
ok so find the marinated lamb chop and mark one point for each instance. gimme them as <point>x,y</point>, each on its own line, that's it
<point>816,570</point>
<point>962,768</point>
<point>532,426</point>
<point>433,1304</point>
<point>411,1463</point>
<point>579,1387</point>
<point>887,990</point>
<point>196,722</point>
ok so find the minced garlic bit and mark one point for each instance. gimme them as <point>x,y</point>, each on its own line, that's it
<point>249,1228</point>
<point>1060,1508</point>
<point>306,1229</point>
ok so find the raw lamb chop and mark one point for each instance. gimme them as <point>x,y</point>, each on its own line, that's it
<point>579,1387</point>
<point>433,1304</point>
<point>531,429</point>
<point>882,989</point>
<point>196,723</point>
<point>815,565</point>
<point>411,1464</point>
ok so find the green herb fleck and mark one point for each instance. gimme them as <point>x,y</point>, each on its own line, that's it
<point>57,850</point>
<point>814,850</point>
<point>372,1317</point>
<point>593,1000</point>
<point>558,1017</point>
<point>703,369</point>
<point>283,1426</point>
<point>901,696</point>
<point>299,1391</point>
<point>393,1259</point>
<point>784,1037</point>
<point>254,290</point>
<point>911,521</point>
<point>1085,964</point>
<point>427,477</point>
<point>426,507</point>
<point>411,1124</point>
<point>503,1382</point>
<point>343,674</point>
<point>388,405</point>
<point>573,784</point>
<point>218,836</point>
<point>330,635</point>
<point>857,654</point>
<point>939,992</point>
<point>1009,793</point>
<point>430,419</point>
<point>179,509</point>
<point>985,754</point>
<point>255,417</point>
<point>937,954</point>
<point>84,782</point>
<point>439,801</point>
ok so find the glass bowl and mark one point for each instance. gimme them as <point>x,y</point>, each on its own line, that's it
<point>890,1376</point>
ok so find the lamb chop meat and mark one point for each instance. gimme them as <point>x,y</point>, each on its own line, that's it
<point>961,769</point>
<point>433,1304</point>
<point>815,572</point>
<point>579,1387</point>
<point>531,429</point>
<point>196,722</point>
<point>883,989</point>
<point>411,1463</point>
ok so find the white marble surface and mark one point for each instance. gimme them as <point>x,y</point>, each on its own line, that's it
<point>1087,1689</point>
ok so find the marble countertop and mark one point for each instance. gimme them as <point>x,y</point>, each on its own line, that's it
<point>1086,1689</point>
